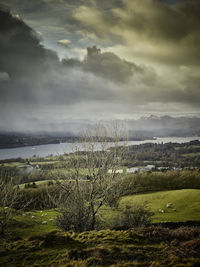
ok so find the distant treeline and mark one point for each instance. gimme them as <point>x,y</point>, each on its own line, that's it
<point>160,181</point>
<point>164,155</point>
<point>21,140</point>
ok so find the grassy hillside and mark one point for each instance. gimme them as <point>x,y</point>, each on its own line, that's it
<point>32,242</point>
<point>185,204</point>
<point>140,247</point>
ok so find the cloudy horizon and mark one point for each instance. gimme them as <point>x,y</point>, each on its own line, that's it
<point>97,60</point>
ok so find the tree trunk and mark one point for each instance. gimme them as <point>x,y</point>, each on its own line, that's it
<point>2,232</point>
<point>93,221</point>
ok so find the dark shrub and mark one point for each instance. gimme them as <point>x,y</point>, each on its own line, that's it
<point>135,216</point>
<point>77,218</point>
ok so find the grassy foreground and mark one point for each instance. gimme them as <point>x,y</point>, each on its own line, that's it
<point>34,240</point>
<point>140,247</point>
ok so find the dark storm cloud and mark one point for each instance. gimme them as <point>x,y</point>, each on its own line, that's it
<point>23,59</point>
<point>166,33</point>
<point>106,65</point>
<point>55,19</point>
<point>152,19</point>
<point>18,42</point>
<point>37,77</point>
<point>31,74</point>
<point>31,66</point>
<point>33,79</point>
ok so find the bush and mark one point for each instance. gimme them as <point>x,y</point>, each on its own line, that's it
<point>77,219</point>
<point>50,183</point>
<point>135,216</point>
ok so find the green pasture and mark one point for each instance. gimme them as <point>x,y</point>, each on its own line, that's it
<point>25,224</point>
<point>185,204</point>
<point>191,154</point>
<point>185,207</point>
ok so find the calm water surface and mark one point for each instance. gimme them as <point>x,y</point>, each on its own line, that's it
<point>59,149</point>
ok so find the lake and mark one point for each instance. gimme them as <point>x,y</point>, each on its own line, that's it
<point>59,149</point>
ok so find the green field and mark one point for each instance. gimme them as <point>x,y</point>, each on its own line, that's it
<point>26,224</point>
<point>31,242</point>
<point>191,154</point>
<point>186,203</point>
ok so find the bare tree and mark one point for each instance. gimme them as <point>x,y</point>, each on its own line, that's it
<point>11,198</point>
<point>99,161</point>
<point>8,198</point>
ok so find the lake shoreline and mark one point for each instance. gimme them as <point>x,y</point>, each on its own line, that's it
<point>67,147</point>
<point>78,139</point>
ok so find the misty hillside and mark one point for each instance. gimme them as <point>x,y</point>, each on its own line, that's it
<point>164,126</point>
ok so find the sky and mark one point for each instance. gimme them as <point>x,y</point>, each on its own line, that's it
<point>70,60</point>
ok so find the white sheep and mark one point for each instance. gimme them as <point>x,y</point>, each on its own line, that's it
<point>169,205</point>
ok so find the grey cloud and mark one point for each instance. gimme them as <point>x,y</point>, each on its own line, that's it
<point>21,51</point>
<point>106,65</point>
<point>155,20</point>
<point>166,33</point>
<point>151,18</point>
<point>55,19</point>
<point>4,77</point>
<point>36,81</point>
<point>36,75</point>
